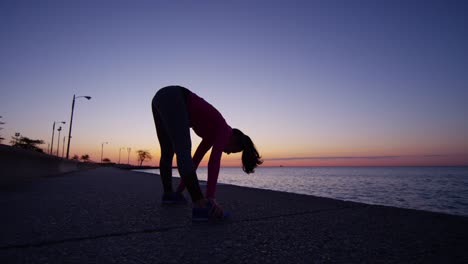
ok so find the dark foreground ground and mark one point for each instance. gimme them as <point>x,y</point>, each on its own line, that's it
<point>107,215</point>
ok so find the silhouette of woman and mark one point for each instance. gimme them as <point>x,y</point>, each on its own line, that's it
<point>175,110</point>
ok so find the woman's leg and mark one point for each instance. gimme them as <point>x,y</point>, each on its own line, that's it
<point>169,102</point>
<point>167,152</point>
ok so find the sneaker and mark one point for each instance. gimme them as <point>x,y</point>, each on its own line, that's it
<point>211,212</point>
<point>173,198</point>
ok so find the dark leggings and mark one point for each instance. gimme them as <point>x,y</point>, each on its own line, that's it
<point>173,129</point>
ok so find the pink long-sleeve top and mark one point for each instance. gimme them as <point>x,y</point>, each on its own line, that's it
<point>208,123</point>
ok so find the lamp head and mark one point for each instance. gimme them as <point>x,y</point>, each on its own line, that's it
<point>88,97</point>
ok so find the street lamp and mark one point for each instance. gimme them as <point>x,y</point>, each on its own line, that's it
<point>102,149</point>
<point>71,121</point>
<point>128,157</point>
<point>53,130</point>
<point>120,149</point>
<point>63,146</point>
<point>58,140</point>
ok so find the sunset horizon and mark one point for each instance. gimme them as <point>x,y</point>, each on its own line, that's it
<point>313,84</point>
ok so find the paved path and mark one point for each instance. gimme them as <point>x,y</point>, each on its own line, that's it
<point>107,215</point>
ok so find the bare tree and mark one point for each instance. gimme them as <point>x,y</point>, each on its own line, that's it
<point>143,155</point>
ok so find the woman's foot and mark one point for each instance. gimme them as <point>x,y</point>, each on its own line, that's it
<point>208,210</point>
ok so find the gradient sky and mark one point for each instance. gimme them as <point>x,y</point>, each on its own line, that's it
<point>311,82</point>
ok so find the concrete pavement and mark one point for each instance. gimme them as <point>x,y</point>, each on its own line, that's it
<point>107,215</point>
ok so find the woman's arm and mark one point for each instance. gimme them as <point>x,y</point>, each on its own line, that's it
<point>200,152</point>
<point>215,161</point>
<point>202,148</point>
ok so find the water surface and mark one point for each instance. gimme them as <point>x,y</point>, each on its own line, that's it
<point>438,189</point>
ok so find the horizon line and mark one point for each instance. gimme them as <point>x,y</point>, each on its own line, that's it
<point>377,157</point>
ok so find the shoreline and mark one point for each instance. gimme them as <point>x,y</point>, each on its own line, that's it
<point>354,189</point>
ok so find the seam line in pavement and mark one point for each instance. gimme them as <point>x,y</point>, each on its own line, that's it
<point>76,239</point>
<point>159,230</point>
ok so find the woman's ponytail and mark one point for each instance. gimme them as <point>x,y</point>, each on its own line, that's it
<point>250,157</point>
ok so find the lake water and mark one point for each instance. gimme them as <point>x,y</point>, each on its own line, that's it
<point>438,189</point>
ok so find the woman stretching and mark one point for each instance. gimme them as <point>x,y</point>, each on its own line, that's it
<point>175,110</point>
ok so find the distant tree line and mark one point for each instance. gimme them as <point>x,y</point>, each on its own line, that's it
<point>84,158</point>
<point>27,143</point>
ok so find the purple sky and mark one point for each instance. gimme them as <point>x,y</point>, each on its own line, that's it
<point>302,78</point>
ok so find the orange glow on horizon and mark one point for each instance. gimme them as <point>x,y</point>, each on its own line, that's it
<point>273,157</point>
<point>448,160</point>
<point>234,160</point>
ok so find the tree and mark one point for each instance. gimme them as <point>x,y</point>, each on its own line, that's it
<point>142,155</point>
<point>27,143</point>
<point>75,157</point>
<point>106,160</point>
<point>85,158</point>
<point>1,123</point>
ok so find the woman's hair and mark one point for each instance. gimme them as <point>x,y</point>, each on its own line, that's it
<point>250,157</point>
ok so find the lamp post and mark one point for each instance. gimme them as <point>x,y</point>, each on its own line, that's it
<point>58,140</point>
<point>120,149</point>
<point>63,146</point>
<point>128,157</point>
<point>71,121</point>
<point>53,130</point>
<point>102,149</point>
<point>17,137</point>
